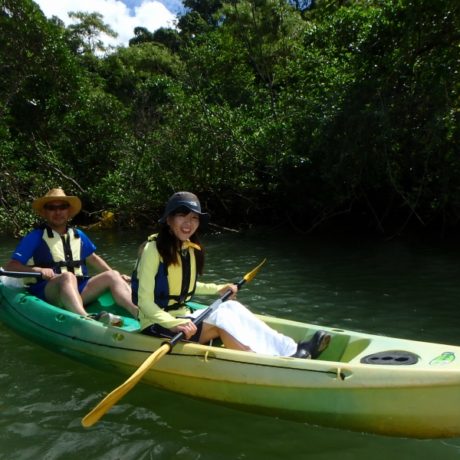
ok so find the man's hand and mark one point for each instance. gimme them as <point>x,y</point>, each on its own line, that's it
<point>47,273</point>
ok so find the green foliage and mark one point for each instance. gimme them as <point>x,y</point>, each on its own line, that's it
<point>141,35</point>
<point>392,93</point>
<point>167,37</point>
<point>87,30</point>
<point>267,112</point>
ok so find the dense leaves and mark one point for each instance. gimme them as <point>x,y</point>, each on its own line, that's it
<point>331,113</point>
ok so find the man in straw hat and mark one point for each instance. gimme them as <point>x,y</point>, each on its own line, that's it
<point>62,254</point>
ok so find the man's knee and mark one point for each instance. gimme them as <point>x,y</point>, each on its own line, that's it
<point>110,278</point>
<point>114,275</point>
<point>67,277</point>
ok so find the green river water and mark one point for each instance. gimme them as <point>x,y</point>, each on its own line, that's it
<point>406,289</point>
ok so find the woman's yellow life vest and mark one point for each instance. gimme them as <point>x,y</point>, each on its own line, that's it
<point>175,284</point>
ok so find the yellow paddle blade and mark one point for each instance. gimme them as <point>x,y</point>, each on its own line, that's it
<point>251,275</point>
<point>92,417</point>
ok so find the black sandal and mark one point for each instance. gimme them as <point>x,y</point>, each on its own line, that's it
<point>311,349</point>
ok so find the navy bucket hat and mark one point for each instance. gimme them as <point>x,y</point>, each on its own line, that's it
<point>187,200</point>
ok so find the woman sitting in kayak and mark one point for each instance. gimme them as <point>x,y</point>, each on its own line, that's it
<point>165,279</point>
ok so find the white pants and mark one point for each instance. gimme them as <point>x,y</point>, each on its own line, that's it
<point>244,326</point>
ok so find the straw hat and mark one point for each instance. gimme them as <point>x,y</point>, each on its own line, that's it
<point>57,194</point>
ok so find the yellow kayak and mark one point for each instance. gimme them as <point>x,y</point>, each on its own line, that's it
<point>360,382</point>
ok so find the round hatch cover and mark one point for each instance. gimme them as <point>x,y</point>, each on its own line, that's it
<point>391,357</point>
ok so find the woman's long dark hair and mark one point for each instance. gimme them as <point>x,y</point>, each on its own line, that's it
<point>168,246</point>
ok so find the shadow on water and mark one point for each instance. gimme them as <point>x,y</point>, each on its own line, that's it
<point>395,288</point>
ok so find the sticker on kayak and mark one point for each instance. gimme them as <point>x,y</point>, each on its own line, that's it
<point>444,358</point>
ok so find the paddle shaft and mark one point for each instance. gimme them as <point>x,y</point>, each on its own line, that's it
<point>12,274</point>
<point>19,274</point>
<point>112,398</point>
<point>203,315</point>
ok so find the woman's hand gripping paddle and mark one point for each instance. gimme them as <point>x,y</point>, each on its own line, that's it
<point>112,398</point>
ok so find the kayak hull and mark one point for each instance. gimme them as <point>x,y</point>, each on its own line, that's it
<point>421,399</point>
